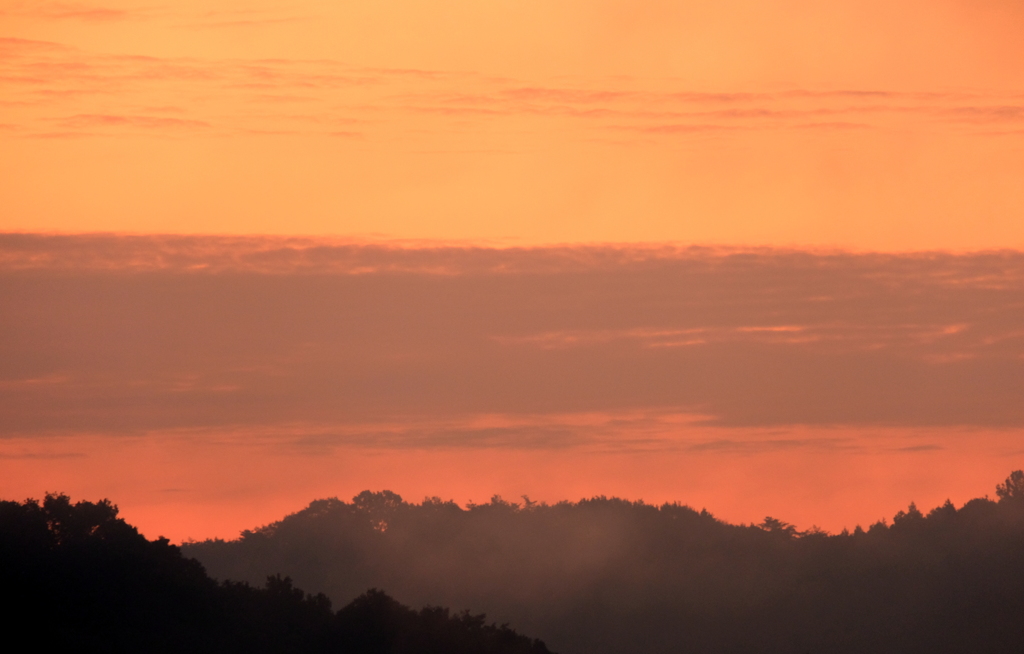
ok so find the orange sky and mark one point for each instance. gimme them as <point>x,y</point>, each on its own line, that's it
<point>865,124</point>
<point>203,485</point>
<point>187,379</point>
<point>213,384</point>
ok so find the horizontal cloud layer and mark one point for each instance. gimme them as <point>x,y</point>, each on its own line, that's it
<point>106,334</point>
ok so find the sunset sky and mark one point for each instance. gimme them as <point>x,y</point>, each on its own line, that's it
<point>759,257</point>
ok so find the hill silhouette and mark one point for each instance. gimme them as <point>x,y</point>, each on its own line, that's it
<point>78,578</point>
<point>605,575</point>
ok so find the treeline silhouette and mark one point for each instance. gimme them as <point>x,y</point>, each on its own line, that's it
<point>609,576</point>
<point>79,579</point>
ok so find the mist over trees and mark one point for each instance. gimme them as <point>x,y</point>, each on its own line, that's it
<point>606,575</point>
<point>598,575</point>
<point>76,578</point>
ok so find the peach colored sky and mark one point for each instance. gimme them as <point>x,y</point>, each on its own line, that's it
<point>864,383</point>
<point>861,124</point>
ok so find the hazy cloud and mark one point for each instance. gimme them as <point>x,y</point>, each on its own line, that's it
<point>133,333</point>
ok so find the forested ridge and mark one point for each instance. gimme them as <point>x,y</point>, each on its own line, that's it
<point>76,578</point>
<point>605,575</point>
<point>599,575</point>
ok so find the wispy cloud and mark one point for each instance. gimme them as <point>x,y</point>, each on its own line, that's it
<point>49,11</point>
<point>215,21</point>
<point>147,122</point>
<point>238,96</point>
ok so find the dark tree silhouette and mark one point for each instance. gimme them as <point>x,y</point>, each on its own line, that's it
<point>87,581</point>
<point>605,575</point>
<point>1012,489</point>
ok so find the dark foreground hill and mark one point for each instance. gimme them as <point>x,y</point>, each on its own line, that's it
<point>606,576</point>
<point>76,578</point>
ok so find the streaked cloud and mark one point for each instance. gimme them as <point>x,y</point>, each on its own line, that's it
<point>62,82</point>
<point>57,11</point>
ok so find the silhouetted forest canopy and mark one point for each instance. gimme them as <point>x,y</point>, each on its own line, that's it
<point>599,575</point>
<point>79,579</point>
<point>606,575</point>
